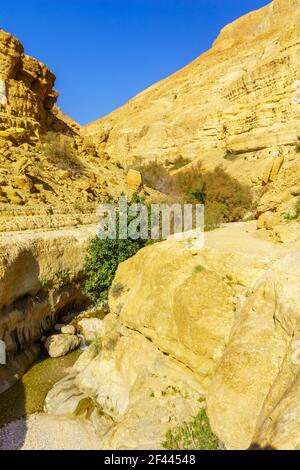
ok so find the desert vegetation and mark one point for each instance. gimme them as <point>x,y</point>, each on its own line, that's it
<point>59,150</point>
<point>225,198</point>
<point>195,434</point>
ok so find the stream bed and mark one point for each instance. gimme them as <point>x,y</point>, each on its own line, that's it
<point>27,396</point>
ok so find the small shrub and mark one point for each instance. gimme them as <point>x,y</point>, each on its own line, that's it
<point>198,194</point>
<point>298,147</point>
<point>156,176</point>
<point>45,283</point>
<point>103,259</point>
<point>117,289</point>
<point>225,199</point>
<point>101,264</point>
<point>229,279</point>
<point>60,279</point>
<point>192,435</point>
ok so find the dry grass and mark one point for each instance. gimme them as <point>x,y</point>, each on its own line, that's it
<point>60,151</point>
<point>225,199</point>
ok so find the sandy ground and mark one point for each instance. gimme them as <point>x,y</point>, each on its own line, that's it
<point>43,432</point>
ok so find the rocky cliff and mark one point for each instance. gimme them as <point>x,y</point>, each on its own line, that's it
<point>49,175</point>
<point>26,89</point>
<point>237,105</point>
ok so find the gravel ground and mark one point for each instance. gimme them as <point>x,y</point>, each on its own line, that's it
<point>43,432</point>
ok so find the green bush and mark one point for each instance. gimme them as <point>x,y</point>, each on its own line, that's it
<point>192,435</point>
<point>60,280</point>
<point>103,259</point>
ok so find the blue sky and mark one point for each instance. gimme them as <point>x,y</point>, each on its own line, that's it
<point>104,52</point>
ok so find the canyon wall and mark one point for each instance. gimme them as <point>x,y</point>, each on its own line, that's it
<point>50,176</point>
<point>237,106</point>
<point>27,93</point>
<point>40,281</point>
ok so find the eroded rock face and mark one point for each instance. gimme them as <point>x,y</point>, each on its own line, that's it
<point>61,345</point>
<point>26,87</point>
<point>128,389</point>
<point>189,309</point>
<point>47,168</point>
<point>239,98</point>
<point>34,289</point>
<point>253,59</point>
<point>254,385</point>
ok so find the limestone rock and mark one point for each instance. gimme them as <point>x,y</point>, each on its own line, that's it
<point>168,114</point>
<point>60,345</point>
<point>268,220</point>
<point>222,322</point>
<point>276,167</point>
<point>26,260</point>
<point>68,330</point>
<point>134,180</point>
<point>37,139</point>
<point>90,328</point>
<point>18,72</point>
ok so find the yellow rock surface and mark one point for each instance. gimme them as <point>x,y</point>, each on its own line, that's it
<point>230,98</point>
<point>189,310</point>
<point>134,180</point>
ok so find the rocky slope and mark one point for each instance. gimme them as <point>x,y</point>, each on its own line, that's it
<point>49,175</point>
<point>237,105</point>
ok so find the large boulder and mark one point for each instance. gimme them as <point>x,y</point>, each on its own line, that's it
<point>61,345</point>
<point>185,308</point>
